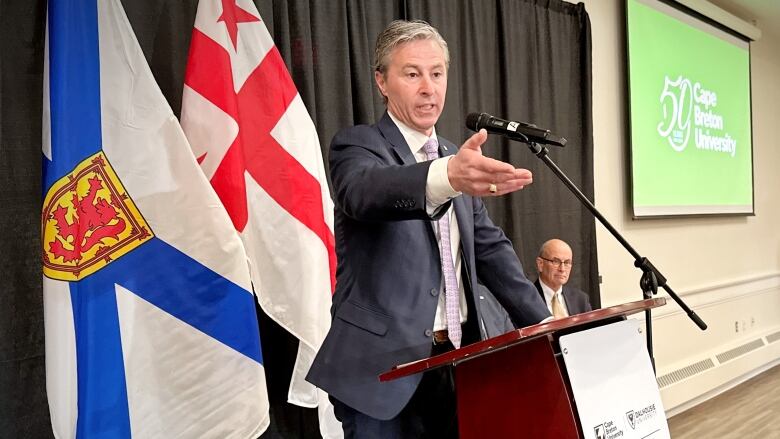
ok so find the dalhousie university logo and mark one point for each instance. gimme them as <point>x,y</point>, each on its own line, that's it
<point>88,220</point>
<point>630,418</point>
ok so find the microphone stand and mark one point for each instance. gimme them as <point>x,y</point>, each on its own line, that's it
<point>651,278</point>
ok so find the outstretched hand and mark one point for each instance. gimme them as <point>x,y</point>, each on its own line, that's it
<point>472,173</point>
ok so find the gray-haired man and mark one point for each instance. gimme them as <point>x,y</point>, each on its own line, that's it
<point>412,237</point>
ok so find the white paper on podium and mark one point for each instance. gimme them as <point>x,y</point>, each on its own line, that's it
<point>613,382</point>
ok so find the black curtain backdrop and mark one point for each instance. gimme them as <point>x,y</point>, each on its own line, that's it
<point>526,60</point>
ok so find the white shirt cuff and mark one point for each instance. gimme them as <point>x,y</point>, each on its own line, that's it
<point>437,188</point>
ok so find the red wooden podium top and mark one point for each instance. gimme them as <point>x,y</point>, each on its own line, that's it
<point>518,336</point>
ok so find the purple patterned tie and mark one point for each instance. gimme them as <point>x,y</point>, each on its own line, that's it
<point>451,295</point>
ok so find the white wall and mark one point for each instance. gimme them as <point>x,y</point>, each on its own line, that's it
<point>727,268</point>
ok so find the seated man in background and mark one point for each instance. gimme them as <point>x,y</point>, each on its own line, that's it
<point>554,266</point>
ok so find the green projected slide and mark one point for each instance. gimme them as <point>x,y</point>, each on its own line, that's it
<point>689,91</point>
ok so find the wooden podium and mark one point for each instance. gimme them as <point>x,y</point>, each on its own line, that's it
<point>513,385</point>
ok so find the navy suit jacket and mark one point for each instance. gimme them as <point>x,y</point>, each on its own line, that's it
<point>389,273</point>
<point>577,302</point>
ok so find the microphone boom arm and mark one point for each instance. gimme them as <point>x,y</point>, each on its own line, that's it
<point>651,276</point>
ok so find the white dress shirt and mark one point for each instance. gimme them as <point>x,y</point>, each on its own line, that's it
<point>437,192</point>
<point>548,295</point>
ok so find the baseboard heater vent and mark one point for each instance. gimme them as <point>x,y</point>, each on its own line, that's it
<point>685,372</point>
<point>739,350</point>
<point>771,338</point>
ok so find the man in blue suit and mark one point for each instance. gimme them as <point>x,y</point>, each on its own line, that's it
<point>412,237</point>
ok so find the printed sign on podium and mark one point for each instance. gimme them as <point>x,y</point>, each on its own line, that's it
<point>613,383</point>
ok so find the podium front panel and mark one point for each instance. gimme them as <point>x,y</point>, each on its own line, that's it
<point>517,392</point>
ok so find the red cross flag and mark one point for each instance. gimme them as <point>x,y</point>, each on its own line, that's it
<point>257,144</point>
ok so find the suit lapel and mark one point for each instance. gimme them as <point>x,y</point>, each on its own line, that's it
<point>465,220</point>
<point>393,136</point>
<point>403,153</point>
<point>570,305</point>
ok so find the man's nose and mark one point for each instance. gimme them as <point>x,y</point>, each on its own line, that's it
<point>426,85</point>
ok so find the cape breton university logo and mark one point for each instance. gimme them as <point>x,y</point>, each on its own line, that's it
<point>598,431</point>
<point>88,220</point>
<point>607,430</point>
<point>689,106</point>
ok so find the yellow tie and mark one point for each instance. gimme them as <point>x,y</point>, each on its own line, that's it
<point>557,308</point>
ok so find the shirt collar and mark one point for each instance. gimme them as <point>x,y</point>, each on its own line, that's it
<point>414,139</point>
<point>548,292</point>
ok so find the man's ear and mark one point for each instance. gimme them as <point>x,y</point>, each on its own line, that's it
<point>379,78</point>
<point>539,264</point>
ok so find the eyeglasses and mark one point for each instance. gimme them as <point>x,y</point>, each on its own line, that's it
<point>557,262</point>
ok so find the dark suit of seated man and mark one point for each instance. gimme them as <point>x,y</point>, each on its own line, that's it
<point>554,265</point>
<point>412,237</point>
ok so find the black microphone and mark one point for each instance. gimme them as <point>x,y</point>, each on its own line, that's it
<point>522,132</point>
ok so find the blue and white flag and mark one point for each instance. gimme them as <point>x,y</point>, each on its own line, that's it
<point>150,321</point>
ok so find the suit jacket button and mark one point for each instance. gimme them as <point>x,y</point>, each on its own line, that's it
<point>434,292</point>
<point>428,332</point>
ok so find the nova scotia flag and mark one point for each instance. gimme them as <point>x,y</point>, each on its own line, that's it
<point>150,321</point>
